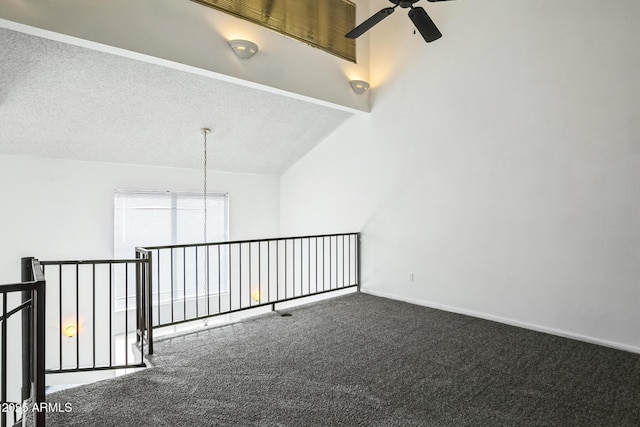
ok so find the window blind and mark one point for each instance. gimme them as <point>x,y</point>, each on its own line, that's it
<point>320,23</point>
<point>158,218</point>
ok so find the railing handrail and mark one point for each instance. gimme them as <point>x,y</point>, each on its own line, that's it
<point>92,261</point>
<point>24,286</point>
<point>28,284</point>
<point>236,242</point>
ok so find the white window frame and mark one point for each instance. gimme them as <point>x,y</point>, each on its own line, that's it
<point>119,292</point>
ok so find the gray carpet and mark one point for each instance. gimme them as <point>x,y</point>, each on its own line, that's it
<point>360,360</point>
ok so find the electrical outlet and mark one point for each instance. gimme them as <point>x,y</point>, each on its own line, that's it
<point>411,277</point>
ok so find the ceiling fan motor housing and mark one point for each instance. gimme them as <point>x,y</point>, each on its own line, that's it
<point>404,3</point>
<point>418,16</point>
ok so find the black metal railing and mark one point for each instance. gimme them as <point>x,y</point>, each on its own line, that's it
<point>88,330</point>
<point>183,283</point>
<point>96,310</point>
<point>27,298</point>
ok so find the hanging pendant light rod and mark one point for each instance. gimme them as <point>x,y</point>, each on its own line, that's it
<point>205,132</point>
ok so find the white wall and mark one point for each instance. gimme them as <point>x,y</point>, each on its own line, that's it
<point>191,35</point>
<point>63,209</point>
<point>500,164</point>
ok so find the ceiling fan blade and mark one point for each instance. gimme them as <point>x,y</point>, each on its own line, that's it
<point>424,24</point>
<point>366,25</point>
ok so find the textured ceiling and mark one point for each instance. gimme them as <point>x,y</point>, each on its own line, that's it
<point>63,101</point>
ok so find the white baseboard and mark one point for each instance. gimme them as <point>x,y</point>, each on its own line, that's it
<point>507,321</point>
<point>315,298</point>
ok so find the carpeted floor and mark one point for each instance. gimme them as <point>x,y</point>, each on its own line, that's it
<point>360,360</point>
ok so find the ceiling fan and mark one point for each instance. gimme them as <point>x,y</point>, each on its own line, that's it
<point>418,15</point>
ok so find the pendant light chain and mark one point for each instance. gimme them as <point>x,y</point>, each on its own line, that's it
<point>205,132</point>
<point>204,193</point>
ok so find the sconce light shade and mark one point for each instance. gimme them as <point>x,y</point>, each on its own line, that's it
<point>256,295</point>
<point>359,86</point>
<point>70,330</point>
<point>243,48</point>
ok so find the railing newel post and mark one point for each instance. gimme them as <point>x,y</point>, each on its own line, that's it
<point>139,321</point>
<point>359,261</point>
<point>39,351</point>
<point>149,302</point>
<point>27,338</point>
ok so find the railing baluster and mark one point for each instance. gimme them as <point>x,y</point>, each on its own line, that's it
<point>3,332</point>
<point>171,282</point>
<point>110,314</point>
<point>93,314</point>
<point>259,273</point>
<point>337,264</point>
<point>269,271</point>
<point>240,272</point>
<point>324,268</point>
<point>197,281</point>
<point>159,288</point>
<point>350,241</point>
<point>126,314</point>
<point>60,310</point>
<point>309,263</point>
<point>343,261</point>
<point>77,325</point>
<point>219,291</point>
<point>184,286</point>
<point>338,258</point>
<point>206,283</point>
<point>330,266</point>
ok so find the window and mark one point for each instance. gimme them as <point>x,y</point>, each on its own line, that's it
<point>156,218</point>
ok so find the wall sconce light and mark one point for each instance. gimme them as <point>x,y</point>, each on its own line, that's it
<point>359,86</point>
<point>70,330</point>
<point>243,48</point>
<point>256,295</point>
